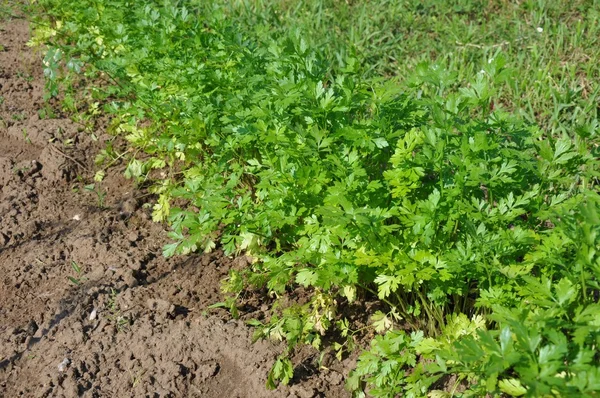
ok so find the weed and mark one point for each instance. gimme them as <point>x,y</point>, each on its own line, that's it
<point>22,169</point>
<point>115,315</point>
<point>100,194</point>
<point>19,116</point>
<point>25,76</point>
<point>80,181</point>
<point>26,136</point>
<point>232,287</point>
<point>78,279</point>
<point>136,378</point>
<point>44,113</point>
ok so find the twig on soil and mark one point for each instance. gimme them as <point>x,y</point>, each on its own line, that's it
<point>69,157</point>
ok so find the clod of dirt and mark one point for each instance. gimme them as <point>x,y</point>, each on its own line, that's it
<point>162,308</point>
<point>6,167</point>
<point>128,207</point>
<point>3,239</point>
<point>56,167</point>
<point>302,392</point>
<point>206,370</point>
<point>32,328</point>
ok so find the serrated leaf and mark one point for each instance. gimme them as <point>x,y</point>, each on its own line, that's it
<point>306,277</point>
<point>134,169</point>
<point>427,346</point>
<point>160,210</point>
<point>254,323</point>
<point>387,285</point>
<point>380,142</point>
<point>561,150</point>
<point>350,293</point>
<point>565,291</point>
<point>381,322</point>
<point>169,249</point>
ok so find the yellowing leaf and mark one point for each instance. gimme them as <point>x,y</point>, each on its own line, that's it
<point>381,322</point>
<point>438,394</point>
<point>512,387</point>
<point>350,293</point>
<point>99,176</point>
<point>161,209</point>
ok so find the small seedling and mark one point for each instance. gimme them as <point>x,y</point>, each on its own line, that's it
<point>101,195</point>
<point>75,187</point>
<point>17,170</point>
<point>232,287</point>
<point>27,77</point>
<point>26,136</point>
<point>76,280</point>
<point>136,378</point>
<point>115,314</point>
<point>46,113</point>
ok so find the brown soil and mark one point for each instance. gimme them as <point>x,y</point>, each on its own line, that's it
<point>131,323</point>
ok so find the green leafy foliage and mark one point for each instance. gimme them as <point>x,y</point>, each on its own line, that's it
<point>281,370</point>
<point>542,345</point>
<point>477,230</point>
<point>548,340</point>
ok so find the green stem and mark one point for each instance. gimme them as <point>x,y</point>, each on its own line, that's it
<point>375,293</point>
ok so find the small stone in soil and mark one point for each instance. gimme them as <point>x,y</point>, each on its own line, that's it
<point>64,364</point>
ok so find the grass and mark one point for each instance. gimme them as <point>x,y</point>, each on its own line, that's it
<point>5,10</point>
<point>79,272</point>
<point>552,47</point>
<point>10,9</point>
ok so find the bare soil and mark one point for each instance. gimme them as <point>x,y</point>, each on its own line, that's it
<point>131,323</point>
